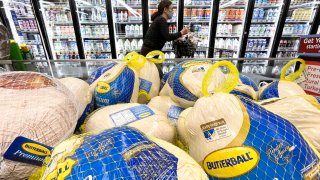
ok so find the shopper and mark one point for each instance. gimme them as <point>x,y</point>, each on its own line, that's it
<point>158,33</point>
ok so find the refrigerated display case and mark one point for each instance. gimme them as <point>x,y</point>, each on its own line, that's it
<point>24,26</point>
<point>61,35</point>
<point>172,23</point>
<point>261,35</point>
<point>197,16</point>
<point>230,27</point>
<point>298,23</point>
<point>94,30</point>
<point>127,23</point>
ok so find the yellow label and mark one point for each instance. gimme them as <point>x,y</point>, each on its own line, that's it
<point>145,114</point>
<point>194,63</point>
<point>36,149</point>
<point>62,170</point>
<point>231,162</point>
<point>103,87</point>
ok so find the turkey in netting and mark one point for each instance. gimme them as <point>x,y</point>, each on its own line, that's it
<point>36,107</point>
<point>120,153</point>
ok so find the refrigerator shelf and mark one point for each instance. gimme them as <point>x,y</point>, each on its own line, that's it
<point>263,22</point>
<point>287,50</point>
<point>130,22</point>
<point>197,6</point>
<point>227,36</point>
<point>230,22</point>
<point>267,6</point>
<point>130,37</point>
<point>293,35</point>
<point>25,17</point>
<point>96,52</point>
<point>266,50</point>
<point>224,49</point>
<point>64,37</point>
<point>27,31</point>
<point>131,6</point>
<point>156,6</point>
<point>94,23</point>
<point>95,37</point>
<point>92,6</point>
<point>232,6</point>
<point>294,21</point>
<point>62,23</point>
<point>254,63</point>
<point>260,36</point>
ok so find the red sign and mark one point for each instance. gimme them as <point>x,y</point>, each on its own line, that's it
<point>312,74</point>
<point>309,45</point>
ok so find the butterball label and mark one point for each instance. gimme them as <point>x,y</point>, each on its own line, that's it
<point>231,162</point>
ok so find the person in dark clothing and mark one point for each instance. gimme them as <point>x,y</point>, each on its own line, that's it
<point>158,33</point>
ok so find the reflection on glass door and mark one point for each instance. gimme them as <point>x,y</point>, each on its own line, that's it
<point>127,19</point>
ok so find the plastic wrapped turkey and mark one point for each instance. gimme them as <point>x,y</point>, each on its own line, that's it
<point>149,76</point>
<point>37,112</point>
<point>120,153</point>
<point>285,87</point>
<point>119,84</point>
<point>81,91</point>
<point>301,111</point>
<point>233,137</point>
<point>246,88</point>
<point>98,72</point>
<point>166,106</point>
<point>184,82</point>
<point>146,119</point>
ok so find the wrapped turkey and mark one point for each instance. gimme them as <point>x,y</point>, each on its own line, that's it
<point>285,87</point>
<point>233,137</point>
<point>146,119</point>
<point>101,70</point>
<point>166,106</point>
<point>119,84</point>
<point>184,82</point>
<point>37,112</point>
<point>120,153</point>
<point>149,77</point>
<point>81,91</point>
<point>301,111</point>
<point>246,88</point>
<point>164,80</point>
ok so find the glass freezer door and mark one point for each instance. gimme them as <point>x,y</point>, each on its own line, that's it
<point>24,26</point>
<point>264,21</point>
<point>197,15</point>
<point>229,28</point>
<point>93,20</point>
<point>127,19</point>
<point>298,22</point>
<point>62,40</point>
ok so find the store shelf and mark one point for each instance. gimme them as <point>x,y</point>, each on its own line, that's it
<point>197,6</point>
<point>230,22</point>
<point>95,37</point>
<point>263,22</point>
<point>133,6</point>
<point>171,22</point>
<point>260,37</point>
<point>296,22</point>
<point>62,23</point>
<point>302,6</point>
<point>130,22</point>
<point>130,37</point>
<point>293,35</point>
<point>25,17</point>
<point>266,6</point>
<point>227,36</point>
<point>287,50</point>
<point>94,23</point>
<point>96,52</point>
<point>196,20</point>
<point>92,6</point>
<point>266,50</point>
<point>223,49</point>
<point>156,6</point>
<point>255,63</point>
<point>63,37</point>
<point>26,31</point>
<point>168,50</point>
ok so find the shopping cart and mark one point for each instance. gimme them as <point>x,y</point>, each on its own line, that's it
<point>185,46</point>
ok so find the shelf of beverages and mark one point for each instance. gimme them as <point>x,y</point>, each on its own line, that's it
<point>95,32</point>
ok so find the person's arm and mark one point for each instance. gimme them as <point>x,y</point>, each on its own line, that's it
<point>164,30</point>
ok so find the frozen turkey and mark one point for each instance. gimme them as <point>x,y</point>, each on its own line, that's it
<point>164,80</point>
<point>119,84</point>
<point>234,137</point>
<point>36,107</point>
<point>120,153</point>
<point>149,77</point>
<point>280,89</point>
<point>167,106</point>
<point>182,140</point>
<point>101,70</point>
<point>82,94</point>
<point>301,111</point>
<point>246,88</point>
<point>185,82</point>
<point>142,117</point>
